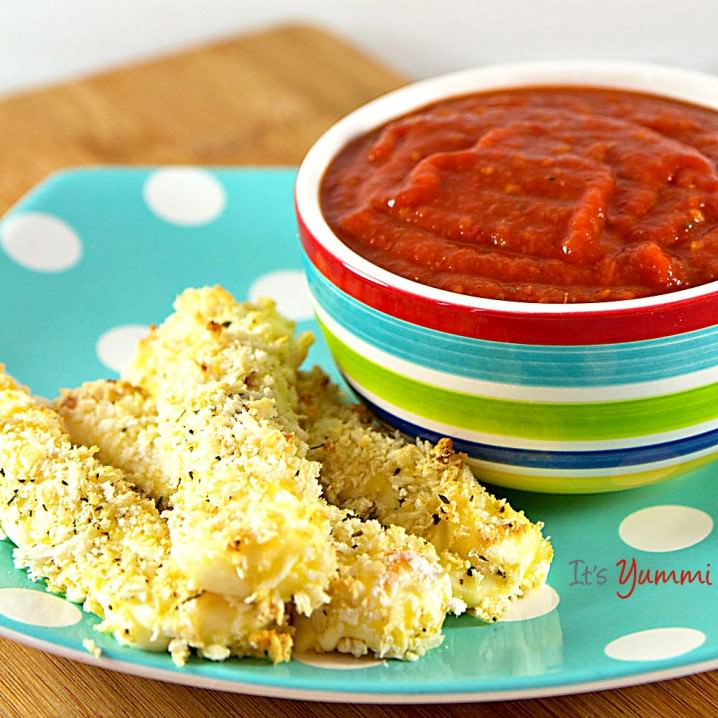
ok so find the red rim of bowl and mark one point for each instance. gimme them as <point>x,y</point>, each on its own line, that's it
<point>490,319</point>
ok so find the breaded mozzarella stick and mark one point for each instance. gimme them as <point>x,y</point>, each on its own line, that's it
<point>389,597</point>
<point>83,528</point>
<point>121,420</point>
<point>390,592</point>
<point>247,519</point>
<point>492,553</point>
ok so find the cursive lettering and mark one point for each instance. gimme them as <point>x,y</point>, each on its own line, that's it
<point>630,576</point>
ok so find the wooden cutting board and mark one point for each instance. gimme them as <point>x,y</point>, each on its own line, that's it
<point>258,99</point>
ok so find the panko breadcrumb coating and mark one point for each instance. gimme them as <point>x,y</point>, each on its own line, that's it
<point>390,593</point>
<point>121,420</point>
<point>83,528</point>
<point>492,552</point>
<point>213,422</point>
<point>247,519</point>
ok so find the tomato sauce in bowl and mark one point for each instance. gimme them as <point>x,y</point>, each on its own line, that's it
<point>541,194</point>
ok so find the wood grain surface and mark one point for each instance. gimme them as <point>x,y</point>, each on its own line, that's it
<point>258,99</point>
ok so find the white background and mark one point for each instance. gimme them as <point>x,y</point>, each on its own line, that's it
<point>42,41</point>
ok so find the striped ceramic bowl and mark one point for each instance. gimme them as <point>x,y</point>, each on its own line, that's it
<point>557,398</point>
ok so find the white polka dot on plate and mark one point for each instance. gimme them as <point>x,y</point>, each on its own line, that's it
<point>37,608</point>
<point>184,195</point>
<point>337,661</point>
<point>288,287</point>
<point>117,345</point>
<point>534,604</point>
<point>655,644</point>
<point>665,528</point>
<point>40,242</point>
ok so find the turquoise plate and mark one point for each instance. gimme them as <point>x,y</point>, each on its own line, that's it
<point>91,257</point>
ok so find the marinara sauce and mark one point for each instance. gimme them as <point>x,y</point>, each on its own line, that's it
<point>542,194</point>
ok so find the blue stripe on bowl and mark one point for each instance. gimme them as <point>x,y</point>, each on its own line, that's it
<point>552,459</point>
<point>523,364</point>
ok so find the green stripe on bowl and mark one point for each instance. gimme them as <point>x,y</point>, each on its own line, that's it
<point>535,420</point>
